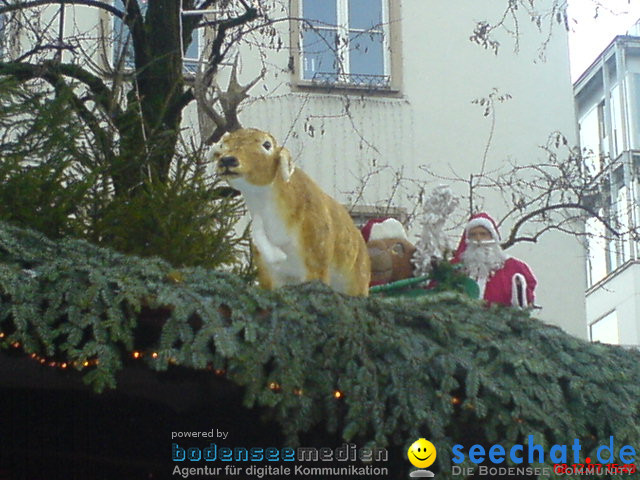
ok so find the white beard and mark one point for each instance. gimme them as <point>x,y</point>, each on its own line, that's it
<point>482,260</point>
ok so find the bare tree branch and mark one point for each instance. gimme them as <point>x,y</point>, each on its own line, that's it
<point>38,3</point>
<point>513,234</point>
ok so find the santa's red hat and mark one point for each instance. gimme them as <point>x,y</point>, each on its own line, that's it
<point>478,220</point>
<point>379,228</point>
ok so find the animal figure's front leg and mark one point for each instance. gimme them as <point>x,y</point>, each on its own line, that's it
<point>270,253</point>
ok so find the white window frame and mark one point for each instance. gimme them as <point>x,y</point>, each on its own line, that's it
<point>344,78</point>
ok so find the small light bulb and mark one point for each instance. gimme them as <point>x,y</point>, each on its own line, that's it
<point>274,386</point>
<point>337,394</point>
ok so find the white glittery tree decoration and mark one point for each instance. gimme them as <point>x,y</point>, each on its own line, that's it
<point>433,241</point>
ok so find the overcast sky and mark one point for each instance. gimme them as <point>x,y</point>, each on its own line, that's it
<point>588,36</point>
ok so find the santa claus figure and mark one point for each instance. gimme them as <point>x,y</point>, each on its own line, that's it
<point>502,279</point>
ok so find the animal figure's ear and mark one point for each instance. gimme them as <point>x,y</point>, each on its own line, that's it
<point>286,165</point>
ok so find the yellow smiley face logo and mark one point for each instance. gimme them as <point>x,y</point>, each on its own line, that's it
<point>422,453</point>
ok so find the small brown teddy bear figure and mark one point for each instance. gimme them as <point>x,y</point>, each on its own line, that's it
<point>389,249</point>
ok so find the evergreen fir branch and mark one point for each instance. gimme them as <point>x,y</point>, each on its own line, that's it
<point>441,366</point>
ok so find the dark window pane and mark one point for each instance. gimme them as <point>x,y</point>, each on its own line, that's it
<point>319,53</point>
<point>193,49</point>
<point>365,14</point>
<point>366,53</point>
<point>320,11</point>
<point>192,53</point>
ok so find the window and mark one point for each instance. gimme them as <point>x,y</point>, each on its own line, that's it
<point>361,214</point>
<point>622,216</point>
<point>605,330</point>
<point>123,46</point>
<point>598,266</point>
<point>634,102</point>
<point>589,139</point>
<point>191,57</point>
<point>345,42</point>
<point>616,121</point>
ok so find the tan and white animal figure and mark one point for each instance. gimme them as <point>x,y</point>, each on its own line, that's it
<point>299,233</point>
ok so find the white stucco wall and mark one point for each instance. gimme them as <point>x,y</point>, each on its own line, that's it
<point>433,122</point>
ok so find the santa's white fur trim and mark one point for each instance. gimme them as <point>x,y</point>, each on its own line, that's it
<point>390,228</point>
<point>483,222</point>
<point>515,301</point>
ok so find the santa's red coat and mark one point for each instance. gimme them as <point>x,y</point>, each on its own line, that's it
<point>500,287</point>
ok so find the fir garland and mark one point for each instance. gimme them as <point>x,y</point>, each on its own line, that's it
<point>384,371</point>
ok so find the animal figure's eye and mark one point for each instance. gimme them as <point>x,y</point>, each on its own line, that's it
<point>267,145</point>
<point>398,249</point>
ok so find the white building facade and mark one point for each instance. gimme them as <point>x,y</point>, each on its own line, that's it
<point>608,111</point>
<point>376,103</point>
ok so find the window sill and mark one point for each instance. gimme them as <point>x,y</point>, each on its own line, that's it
<point>344,88</point>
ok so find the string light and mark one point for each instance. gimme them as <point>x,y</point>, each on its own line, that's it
<point>274,386</point>
<point>456,400</point>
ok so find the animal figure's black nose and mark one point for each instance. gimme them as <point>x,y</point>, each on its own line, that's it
<point>229,162</point>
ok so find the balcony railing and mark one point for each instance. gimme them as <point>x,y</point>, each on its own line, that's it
<point>359,80</point>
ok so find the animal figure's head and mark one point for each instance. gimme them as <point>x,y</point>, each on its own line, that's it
<point>390,260</point>
<point>251,155</point>
<point>390,251</point>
